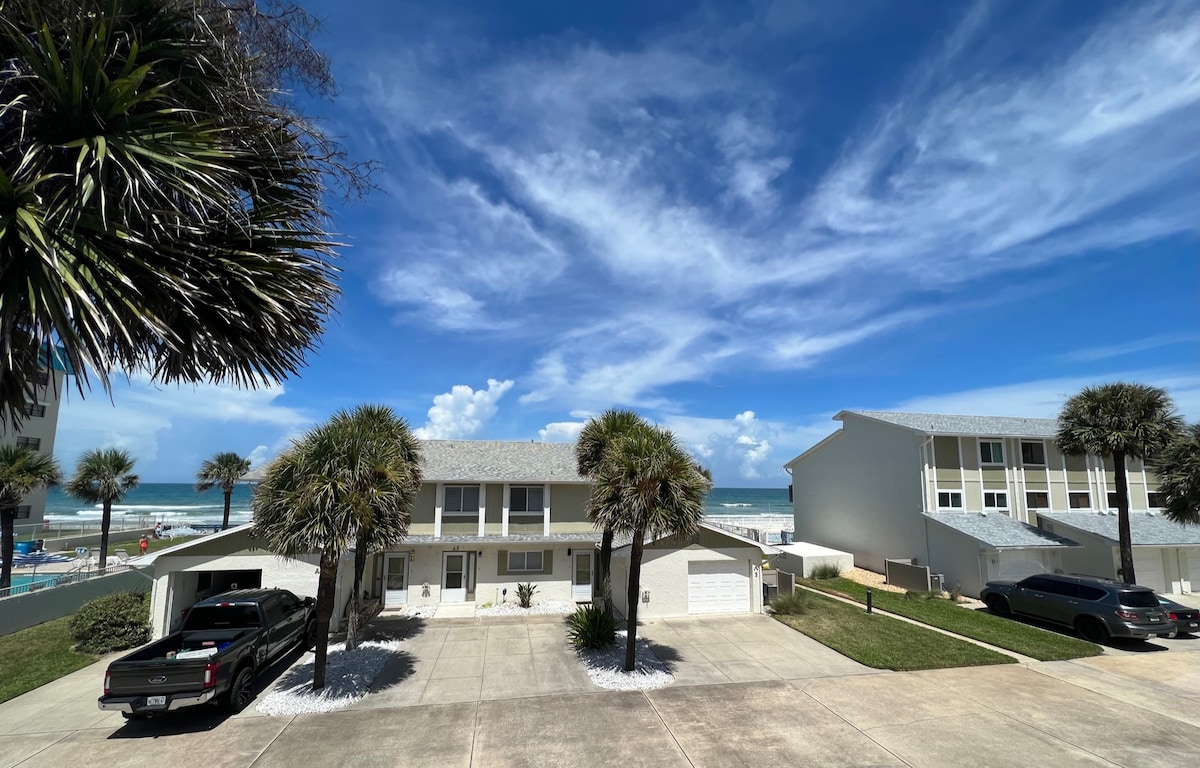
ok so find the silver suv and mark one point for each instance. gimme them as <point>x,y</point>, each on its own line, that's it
<point>1096,608</point>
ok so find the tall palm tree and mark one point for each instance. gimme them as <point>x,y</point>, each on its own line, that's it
<point>103,476</point>
<point>339,478</point>
<point>647,485</point>
<point>1178,469</point>
<point>1118,421</point>
<point>224,471</point>
<point>22,471</point>
<point>161,203</point>
<point>595,440</point>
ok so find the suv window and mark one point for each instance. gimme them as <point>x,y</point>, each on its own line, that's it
<point>1064,588</point>
<point>1138,599</point>
<point>1041,584</point>
<point>1091,593</point>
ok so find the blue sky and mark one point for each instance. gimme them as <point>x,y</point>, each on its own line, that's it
<point>736,218</point>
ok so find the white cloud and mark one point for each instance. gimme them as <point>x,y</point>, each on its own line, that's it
<point>462,411</point>
<point>561,431</point>
<point>259,456</point>
<point>744,447</point>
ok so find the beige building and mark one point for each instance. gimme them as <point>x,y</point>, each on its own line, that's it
<point>37,431</point>
<point>975,498</point>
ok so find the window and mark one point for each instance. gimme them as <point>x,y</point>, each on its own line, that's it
<point>19,513</point>
<point>995,500</point>
<point>1139,599</point>
<point>519,562</point>
<point>1112,500</point>
<point>1037,500</point>
<point>32,443</point>
<point>1079,500</point>
<point>991,452</point>
<point>1090,593</point>
<point>1037,583</point>
<point>461,500</point>
<point>1155,500</point>
<point>1033,453</point>
<point>33,409</point>
<point>950,500</point>
<point>526,500</point>
<point>42,377</point>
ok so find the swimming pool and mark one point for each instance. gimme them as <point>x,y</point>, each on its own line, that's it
<point>21,579</point>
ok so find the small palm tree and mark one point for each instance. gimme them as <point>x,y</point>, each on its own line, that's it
<point>1178,470</point>
<point>1118,421</point>
<point>22,471</point>
<point>352,473</point>
<point>103,476</point>
<point>597,436</point>
<point>223,470</point>
<point>647,485</point>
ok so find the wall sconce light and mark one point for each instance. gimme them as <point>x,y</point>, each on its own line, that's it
<point>568,551</point>
<point>481,553</point>
<point>646,596</point>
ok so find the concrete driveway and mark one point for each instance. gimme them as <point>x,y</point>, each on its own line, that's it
<point>1111,710</point>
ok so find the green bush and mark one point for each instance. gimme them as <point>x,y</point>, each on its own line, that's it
<point>525,594</point>
<point>791,605</point>
<point>112,623</point>
<point>591,627</point>
<point>825,571</point>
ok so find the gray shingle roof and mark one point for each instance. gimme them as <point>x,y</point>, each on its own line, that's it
<point>999,530</point>
<point>1144,528</point>
<point>518,538</point>
<point>498,461</point>
<point>943,424</point>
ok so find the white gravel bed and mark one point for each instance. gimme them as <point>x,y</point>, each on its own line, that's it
<point>419,611</point>
<point>543,608</point>
<point>348,677</point>
<point>606,667</point>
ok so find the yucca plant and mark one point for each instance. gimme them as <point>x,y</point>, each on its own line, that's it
<point>525,595</point>
<point>591,627</point>
<point>825,571</point>
<point>793,604</point>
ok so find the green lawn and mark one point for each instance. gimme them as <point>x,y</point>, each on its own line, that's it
<point>33,657</point>
<point>883,642</point>
<point>1004,633</point>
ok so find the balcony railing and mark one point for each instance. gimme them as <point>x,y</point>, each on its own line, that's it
<point>51,580</point>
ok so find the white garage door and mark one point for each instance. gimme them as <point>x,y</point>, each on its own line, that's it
<point>1148,568</point>
<point>1015,565</point>
<point>718,587</point>
<point>1190,564</point>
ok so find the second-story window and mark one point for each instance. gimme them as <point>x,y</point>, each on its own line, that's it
<point>1033,453</point>
<point>1037,500</point>
<point>950,500</point>
<point>991,452</point>
<point>526,500</point>
<point>1079,500</point>
<point>34,409</point>
<point>1154,500</point>
<point>461,500</point>
<point>995,501</point>
<point>32,443</point>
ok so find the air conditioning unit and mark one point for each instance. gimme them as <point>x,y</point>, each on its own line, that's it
<point>936,582</point>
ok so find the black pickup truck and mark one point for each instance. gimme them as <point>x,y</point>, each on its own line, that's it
<point>225,642</point>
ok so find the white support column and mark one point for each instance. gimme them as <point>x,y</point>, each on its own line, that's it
<point>504,510</point>
<point>438,500</point>
<point>546,510</point>
<point>482,508</point>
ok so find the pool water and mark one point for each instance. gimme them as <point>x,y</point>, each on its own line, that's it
<point>21,579</point>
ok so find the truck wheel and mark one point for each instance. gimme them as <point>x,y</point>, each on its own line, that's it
<point>1091,629</point>
<point>241,692</point>
<point>310,636</point>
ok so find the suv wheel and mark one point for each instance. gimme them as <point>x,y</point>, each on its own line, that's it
<point>1091,629</point>
<point>997,605</point>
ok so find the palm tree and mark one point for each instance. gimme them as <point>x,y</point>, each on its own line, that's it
<point>597,436</point>
<point>162,202</point>
<point>22,471</point>
<point>647,485</point>
<point>338,479</point>
<point>1118,421</point>
<point>1178,469</point>
<point>103,476</point>
<point>223,470</point>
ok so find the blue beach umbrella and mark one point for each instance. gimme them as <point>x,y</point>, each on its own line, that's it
<point>34,559</point>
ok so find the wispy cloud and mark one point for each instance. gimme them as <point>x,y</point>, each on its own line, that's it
<point>1106,352</point>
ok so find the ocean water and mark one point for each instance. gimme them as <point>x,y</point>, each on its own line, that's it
<point>178,503</point>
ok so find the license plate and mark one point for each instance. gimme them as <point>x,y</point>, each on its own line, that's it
<point>1193,624</point>
<point>156,701</point>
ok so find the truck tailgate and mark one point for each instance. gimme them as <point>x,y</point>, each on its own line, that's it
<point>155,677</point>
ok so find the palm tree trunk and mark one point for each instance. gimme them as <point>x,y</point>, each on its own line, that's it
<point>105,523</point>
<point>225,519</point>
<point>1124,536</point>
<point>606,548</point>
<point>631,602</point>
<point>356,607</point>
<point>8,521</point>
<point>326,587</point>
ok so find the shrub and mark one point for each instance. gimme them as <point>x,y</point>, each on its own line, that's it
<point>591,627</point>
<point>794,604</point>
<point>525,594</point>
<point>825,571</point>
<point>112,623</point>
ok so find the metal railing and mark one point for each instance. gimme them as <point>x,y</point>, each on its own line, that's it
<point>62,530</point>
<point>51,580</point>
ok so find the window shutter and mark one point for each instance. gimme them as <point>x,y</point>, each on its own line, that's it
<point>548,561</point>
<point>502,563</point>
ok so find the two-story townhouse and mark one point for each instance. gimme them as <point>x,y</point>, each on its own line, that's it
<point>37,431</point>
<point>978,498</point>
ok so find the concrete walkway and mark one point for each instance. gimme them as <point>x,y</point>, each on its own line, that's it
<point>1118,710</point>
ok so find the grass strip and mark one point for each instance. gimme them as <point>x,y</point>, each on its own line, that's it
<point>30,658</point>
<point>883,642</point>
<point>1037,643</point>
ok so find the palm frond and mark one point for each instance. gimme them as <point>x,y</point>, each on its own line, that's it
<point>1135,420</point>
<point>1177,467</point>
<point>102,475</point>
<point>223,471</point>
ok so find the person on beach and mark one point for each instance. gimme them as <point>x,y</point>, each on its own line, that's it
<point>158,530</point>
<point>144,544</point>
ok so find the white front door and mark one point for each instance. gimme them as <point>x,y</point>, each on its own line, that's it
<point>581,576</point>
<point>454,577</point>
<point>395,580</point>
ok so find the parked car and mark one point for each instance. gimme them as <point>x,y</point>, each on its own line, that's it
<point>226,641</point>
<point>1098,609</point>
<point>1185,619</point>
